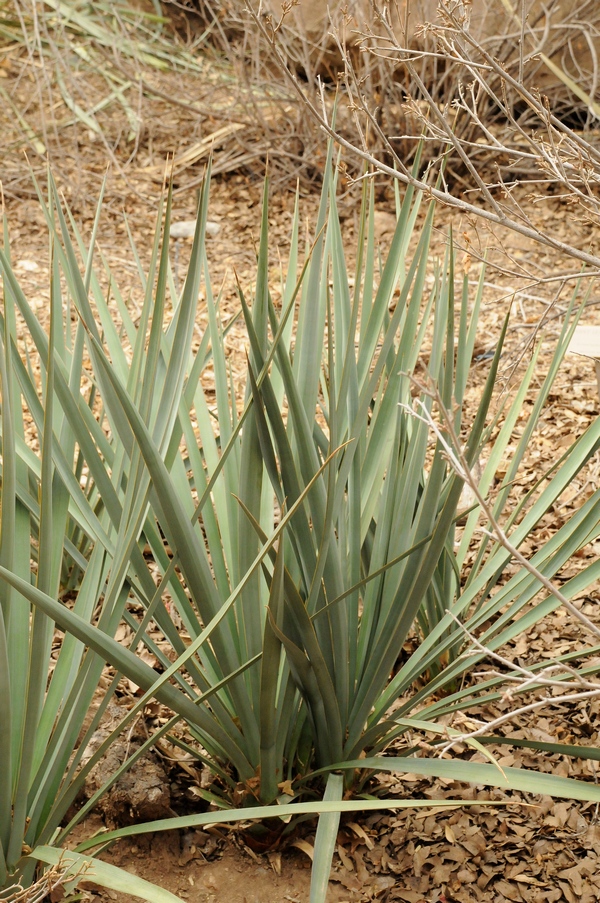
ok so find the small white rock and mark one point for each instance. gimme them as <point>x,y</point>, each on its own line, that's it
<point>186,228</point>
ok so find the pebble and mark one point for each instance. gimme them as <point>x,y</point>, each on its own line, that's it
<point>185,228</point>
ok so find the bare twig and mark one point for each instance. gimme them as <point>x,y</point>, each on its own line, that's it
<point>458,462</point>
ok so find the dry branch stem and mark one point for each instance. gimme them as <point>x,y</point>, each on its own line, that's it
<point>460,465</point>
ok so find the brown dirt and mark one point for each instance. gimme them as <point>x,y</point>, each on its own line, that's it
<point>547,852</point>
<point>207,867</point>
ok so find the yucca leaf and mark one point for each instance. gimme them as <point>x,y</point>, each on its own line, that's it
<point>284,811</point>
<point>325,840</point>
<point>85,868</point>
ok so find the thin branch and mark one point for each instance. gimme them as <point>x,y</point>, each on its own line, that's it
<point>458,462</point>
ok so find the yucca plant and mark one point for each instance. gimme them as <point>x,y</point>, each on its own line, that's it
<point>298,540</point>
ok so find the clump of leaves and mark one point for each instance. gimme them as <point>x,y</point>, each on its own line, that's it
<point>308,533</point>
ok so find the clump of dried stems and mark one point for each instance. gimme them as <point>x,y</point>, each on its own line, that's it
<point>391,76</point>
<point>52,884</point>
<point>487,129</point>
<point>397,70</point>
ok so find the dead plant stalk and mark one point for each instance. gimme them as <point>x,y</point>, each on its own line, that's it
<point>559,154</point>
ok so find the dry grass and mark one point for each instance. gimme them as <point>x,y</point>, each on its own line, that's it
<point>194,77</point>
